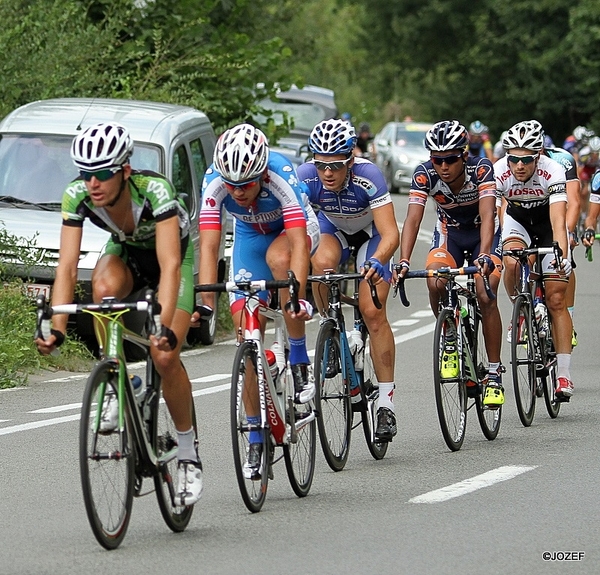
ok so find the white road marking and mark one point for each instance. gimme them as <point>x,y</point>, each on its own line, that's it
<point>472,484</point>
<point>213,377</point>
<point>57,408</point>
<point>37,424</point>
<point>402,322</point>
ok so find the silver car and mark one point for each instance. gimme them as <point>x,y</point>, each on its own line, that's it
<point>35,168</point>
<point>399,148</point>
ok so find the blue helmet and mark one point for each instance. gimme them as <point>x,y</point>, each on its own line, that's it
<point>332,137</point>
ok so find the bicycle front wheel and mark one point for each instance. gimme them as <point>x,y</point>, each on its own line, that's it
<point>523,360</point>
<point>450,394</point>
<point>489,419</point>
<point>377,449</point>
<point>106,458</point>
<point>299,456</point>
<point>164,440</point>
<point>332,400</point>
<point>253,490</point>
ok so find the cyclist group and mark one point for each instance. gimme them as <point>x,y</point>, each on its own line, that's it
<point>519,201</point>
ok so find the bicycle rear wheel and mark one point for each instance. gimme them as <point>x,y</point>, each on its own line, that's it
<point>450,394</point>
<point>377,449</point>
<point>253,491</point>
<point>164,441</point>
<point>523,360</point>
<point>489,419</point>
<point>106,464</point>
<point>332,400</point>
<point>299,456</point>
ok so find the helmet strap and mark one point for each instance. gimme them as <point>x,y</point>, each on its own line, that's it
<point>121,188</point>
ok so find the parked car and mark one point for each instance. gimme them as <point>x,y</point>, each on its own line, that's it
<point>306,107</point>
<point>399,148</point>
<point>35,168</point>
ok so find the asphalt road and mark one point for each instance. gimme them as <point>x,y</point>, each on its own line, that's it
<point>525,503</point>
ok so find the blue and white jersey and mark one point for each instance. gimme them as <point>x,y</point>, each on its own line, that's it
<point>349,209</point>
<point>565,159</point>
<point>595,187</point>
<point>279,204</point>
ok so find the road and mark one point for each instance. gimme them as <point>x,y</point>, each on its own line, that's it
<point>495,507</point>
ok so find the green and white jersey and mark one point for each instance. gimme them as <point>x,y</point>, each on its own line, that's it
<point>153,199</point>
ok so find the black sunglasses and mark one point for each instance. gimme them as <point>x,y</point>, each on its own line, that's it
<point>525,159</point>
<point>333,166</point>
<point>439,160</point>
<point>100,175</point>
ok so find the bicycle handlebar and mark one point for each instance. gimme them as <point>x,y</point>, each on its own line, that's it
<point>441,273</point>
<point>331,278</point>
<point>255,286</point>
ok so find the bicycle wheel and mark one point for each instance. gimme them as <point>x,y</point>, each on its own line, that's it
<point>164,441</point>
<point>106,464</point>
<point>253,491</point>
<point>523,360</point>
<point>377,449</point>
<point>299,456</point>
<point>450,394</point>
<point>549,383</point>
<point>332,400</point>
<point>489,419</point>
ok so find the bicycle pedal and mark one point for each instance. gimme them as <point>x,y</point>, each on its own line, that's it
<point>561,399</point>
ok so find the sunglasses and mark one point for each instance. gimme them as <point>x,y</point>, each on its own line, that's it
<point>525,159</point>
<point>242,186</point>
<point>439,160</point>
<point>333,166</point>
<point>100,175</point>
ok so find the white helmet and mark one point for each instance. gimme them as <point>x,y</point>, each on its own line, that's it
<point>446,135</point>
<point>528,135</point>
<point>241,154</point>
<point>104,145</point>
<point>594,144</point>
<point>332,137</point>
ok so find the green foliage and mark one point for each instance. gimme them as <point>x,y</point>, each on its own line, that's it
<point>18,355</point>
<point>18,249</point>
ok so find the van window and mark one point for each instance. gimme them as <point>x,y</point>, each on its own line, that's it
<point>199,160</point>
<point>182,176</point>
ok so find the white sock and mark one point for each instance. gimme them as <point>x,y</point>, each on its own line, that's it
<point>185,450</point>
<point>386,395</point>
<point>563,365</point>
<point>494,368</point>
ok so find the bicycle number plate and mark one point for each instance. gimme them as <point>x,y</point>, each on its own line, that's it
<point>35,290</point>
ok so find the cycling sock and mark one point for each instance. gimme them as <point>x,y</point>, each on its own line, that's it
<point>563,365</point>
<point>571,311</point>
<point>494,368</point>
<point>186,449</point>
<point>255,435</point>
<point>298,353</point>
<point>386,395</point>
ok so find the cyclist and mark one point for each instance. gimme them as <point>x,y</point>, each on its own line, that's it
<point>567,161</point>
<point>356,215</point>
<point>261,191</point>
<point>465,194</point>
<point>591,220</point>
<point>480,145</point>
<point>149,247</point>
<point>534,189</point>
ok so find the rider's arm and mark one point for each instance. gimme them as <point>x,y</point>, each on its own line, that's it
<point>384,219</point>
<point>300,257</point>
<point>210,240</point>
<point>573,204</point>
<point>487,213</point>
<point>558,211</point>
<point>168,253</point>
<point>410,230</point>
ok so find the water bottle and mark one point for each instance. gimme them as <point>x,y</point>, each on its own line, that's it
<point>138,387</point>
<point>356,348</point>
<point>272,361</point>
<point>541,317</point>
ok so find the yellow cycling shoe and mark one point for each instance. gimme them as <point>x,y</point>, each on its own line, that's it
<point>494,393</point>
<point>573,338</point>
<point>449,369</point>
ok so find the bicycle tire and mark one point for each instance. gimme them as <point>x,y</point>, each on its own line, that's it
<point>332,400</point>
<point>107,472</point>
<point>377,449</point>
<point>489,419</point>
<point>450,394</point>
<point>549,384</point>
<point>522,355</point>
<point>300,456</point>
<point>164,441</point>
<point>253,491</point>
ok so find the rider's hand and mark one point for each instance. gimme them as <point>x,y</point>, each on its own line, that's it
<point>485,264</point>
<point>573,239</point>
<point>401,269</point>
<point>166,340</point>
<point>201,312</point>
<point>373,270</point>
<point>305,313</point>
<point>565,266</point>
<point>47,346</point>
<point>588,237</point>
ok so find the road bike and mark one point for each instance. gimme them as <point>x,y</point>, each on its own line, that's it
<point>533,358</point>
<point>345,378</point>
<point>114,463</point>
<point>459,321</point>
<point>283,423</point>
